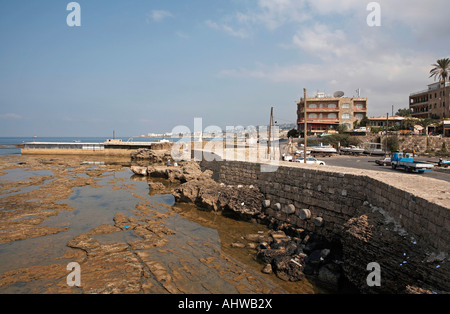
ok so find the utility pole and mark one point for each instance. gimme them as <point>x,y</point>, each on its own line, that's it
<point>306,126</point>
<point>387,127</point>
<point>270,132</point>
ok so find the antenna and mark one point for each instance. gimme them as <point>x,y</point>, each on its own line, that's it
<point>358,92</point>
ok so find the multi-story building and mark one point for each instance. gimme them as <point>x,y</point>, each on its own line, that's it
<point>326,112</point>
<point>433,102</point>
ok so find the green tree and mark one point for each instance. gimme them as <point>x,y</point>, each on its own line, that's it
<point>364,121</point>
<point>405,112</point>
<point>393,143</point>
<point>441,71</point>
<point>293,133</point>
<point>341,128</point>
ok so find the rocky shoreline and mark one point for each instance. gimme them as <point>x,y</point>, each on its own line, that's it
<point>289,253</point>
<point>126,240</point>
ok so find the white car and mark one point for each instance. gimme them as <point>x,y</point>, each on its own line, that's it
<point>310,160</point>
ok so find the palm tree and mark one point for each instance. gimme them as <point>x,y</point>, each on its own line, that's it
<point>441,71</point>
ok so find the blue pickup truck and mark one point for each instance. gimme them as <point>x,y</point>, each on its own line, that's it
<point>406,162</point>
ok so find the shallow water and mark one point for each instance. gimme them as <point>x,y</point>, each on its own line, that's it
<point>201,241</point>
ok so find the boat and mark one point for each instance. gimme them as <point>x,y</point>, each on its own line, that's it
<point>373,149</point>
<point>352,150</point>
<point>323,149</point>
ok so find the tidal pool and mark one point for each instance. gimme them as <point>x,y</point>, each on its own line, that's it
<point>196,251</point>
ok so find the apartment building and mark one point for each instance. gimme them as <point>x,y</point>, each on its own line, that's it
<point>434,102</point>
<point>326,112</point>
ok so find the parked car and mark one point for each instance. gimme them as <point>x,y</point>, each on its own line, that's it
<point>310,160</point>
<point>383,162</point>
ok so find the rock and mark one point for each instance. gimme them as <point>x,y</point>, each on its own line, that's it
<point>288,269</point>
<point>277,206</point>
<point>186,172</point>
<point>268,255</point>
<point>290,209</point>
<point>159,156</point>
<point>238,245</point>
<point>318,221</point>
<point>254,237</point>
<point>210,195</point>
<point>305,214</point>
<point>266,203</point>
<point>139,170</point>
<point>330,275</point>
<point>157,186</point>
<point>267,269</point>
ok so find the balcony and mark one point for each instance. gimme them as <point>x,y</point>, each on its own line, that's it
<point>320,120</point>
<point>324,109</point>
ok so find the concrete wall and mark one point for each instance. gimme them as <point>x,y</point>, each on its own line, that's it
<point>78,152</point>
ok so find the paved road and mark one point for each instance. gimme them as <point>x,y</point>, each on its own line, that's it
<point>367,162</point>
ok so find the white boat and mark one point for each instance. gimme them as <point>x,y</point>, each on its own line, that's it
<point>374,149</point>
<point>352,150</point>
<point>302,151</point>
<point>323,149</point>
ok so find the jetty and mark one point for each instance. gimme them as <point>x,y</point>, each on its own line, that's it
<point>111,147</point>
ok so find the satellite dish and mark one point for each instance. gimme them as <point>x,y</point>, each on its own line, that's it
<point>338,94</point>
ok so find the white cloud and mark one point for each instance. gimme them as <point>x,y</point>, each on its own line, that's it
<point>10,116</point>
<point>158,15</point>
<point>323,42</point>
<point>182,35</point>
<point>339,51</point>
<point>227,29</point>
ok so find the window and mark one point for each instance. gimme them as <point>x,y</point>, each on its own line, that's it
<point>312,106</point>
<point>346,106</point>
<point>359,116</point>
<point>332,106</point>
<point>332,116</point>
<point>312,116</point>
<point>345,116</point>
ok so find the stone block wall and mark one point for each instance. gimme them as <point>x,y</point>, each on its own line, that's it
<point>374,219</point>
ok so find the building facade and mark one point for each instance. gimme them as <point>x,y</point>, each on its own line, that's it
<point>433,102</point>
<point>383,121</point>
<point>324,113</point>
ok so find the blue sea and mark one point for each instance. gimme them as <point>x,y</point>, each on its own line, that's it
<point>8,145</point>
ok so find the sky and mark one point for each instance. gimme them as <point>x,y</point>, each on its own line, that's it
<point>141,66</point>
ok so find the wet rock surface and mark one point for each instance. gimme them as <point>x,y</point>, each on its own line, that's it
<point>145,246</point>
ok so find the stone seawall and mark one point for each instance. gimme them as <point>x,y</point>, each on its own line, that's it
<point>400,221</point>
